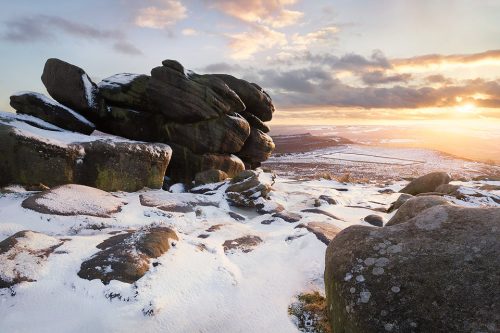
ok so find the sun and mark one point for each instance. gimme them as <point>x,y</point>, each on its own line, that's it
<point>465,108</point>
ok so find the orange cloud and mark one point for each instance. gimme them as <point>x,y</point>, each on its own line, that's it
<point>435,61</point>
<point>269,12</point>
<point>244,45</point>
<point>160,17</point>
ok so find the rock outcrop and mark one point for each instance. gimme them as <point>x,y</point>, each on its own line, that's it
<point>433,273</point>
<point>126,257</point>
<point>23,256</point>
<point>215,121</point>
<point>415,206</point>
<point>32,156</point>
<point>427,183</point>
<point>74,199</point>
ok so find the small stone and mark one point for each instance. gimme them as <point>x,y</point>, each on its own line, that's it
<point>365,296</point>
<point>378,271</point>
<point>395,289</point>
<point>360,278</point>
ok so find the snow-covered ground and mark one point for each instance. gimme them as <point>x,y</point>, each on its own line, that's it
<point>196,286</point>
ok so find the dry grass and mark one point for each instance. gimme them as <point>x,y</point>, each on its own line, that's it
<point>310,313</point>
<point>345,178</point>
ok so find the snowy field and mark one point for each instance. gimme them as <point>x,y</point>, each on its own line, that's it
<point>196,286</point>
<point>376,163</point>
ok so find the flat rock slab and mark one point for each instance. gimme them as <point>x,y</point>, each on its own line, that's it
<point>23,255</point>
<point>126,257</point>
<point>177,202</point>
<point>325,232</point>
<point>437,272</point>
<point>244,244</point>
<point>415,206</point>
<point>74,199</point>
<point>322,212</point>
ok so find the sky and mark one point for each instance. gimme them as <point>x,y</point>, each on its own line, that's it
<point>321,61</point>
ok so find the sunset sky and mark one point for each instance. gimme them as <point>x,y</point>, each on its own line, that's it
<point>320,60</point>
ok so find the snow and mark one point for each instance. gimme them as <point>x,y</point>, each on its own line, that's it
<point>117,80</point>
<point>25,258</point>
<point>195,286</point>
<point>49,101</point>
<point>61,138</point>
<point>89,89</point>
<point>75,199</point>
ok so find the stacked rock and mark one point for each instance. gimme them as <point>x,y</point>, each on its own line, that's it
<point>212,121</point>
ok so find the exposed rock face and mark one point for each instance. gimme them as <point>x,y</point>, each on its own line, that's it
<point>187,164</point>
<point>325,232</point>
<point>226,134</point>
<point>42,107</point>
<point>258,148</point>
<point>69,85</point>
<point>123,166</point>
<point>55,164</point>
<point>210,176</point>
<point>179,99</point>
<point>177,202</point>
<point>244,244</point>
<point>126,257</point>
<point>434,273</point>
<point>207,117</point>
<point>246,187</point>
<point>415,206</point>
<point>427,183</point>
<point>23,255</point>
<point>400,201</point>
<point>33,156</point>
<point>74,199</point>
<point>126,90</point>
<point>256,100</point>
<point>375,220</point>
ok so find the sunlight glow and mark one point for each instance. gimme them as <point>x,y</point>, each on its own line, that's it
<point>465,108</point>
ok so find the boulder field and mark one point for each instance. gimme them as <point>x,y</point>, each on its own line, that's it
<point>201,122</point>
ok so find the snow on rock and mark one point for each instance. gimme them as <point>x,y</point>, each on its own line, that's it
<point>196,276</point>
<point>74,199</point>
<point>117,80</point>
<point>177,202</point>
<point>23,256</point>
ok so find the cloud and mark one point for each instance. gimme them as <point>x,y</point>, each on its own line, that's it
<point>323,35</point>
<point>244,45</point>
<point>45,27</point>
<point>167,13</point>
<point>123,46</point>
<point>222,67</point>
<point>380,77</point>
<point>190,32</point>
<point>269,12</point>
<point>439,60</point>
<point>438,78</point>
<point>318,87</point>
<point>351,62</point>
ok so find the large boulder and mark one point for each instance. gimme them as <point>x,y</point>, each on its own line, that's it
<point>23,256</point>
<point>415,206</point>
<point>185,164</point>
<point>70,85</point>
<point>123,166</point>
<point>226,134</point>
<point>173,94</point>
<point>256,100</point>
<point>42,107</point>
<point>210,176</point>
<point>438,272</point>
<point>258,148</point>
<point>32,156</point>
<point>427,183</point>
<point>73,199</point>
<point>126,90</point>
<point>403,197</point>
<point>126,257</point>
